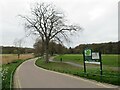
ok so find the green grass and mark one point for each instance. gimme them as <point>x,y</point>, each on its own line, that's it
<point>92,73</point>
<point>76,58</point>
<point>107,59</point>
<point>111,60</point>
<point>7,74</point>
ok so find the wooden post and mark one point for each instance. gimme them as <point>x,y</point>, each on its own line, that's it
<point>84,62</point>
<point>101,73</point>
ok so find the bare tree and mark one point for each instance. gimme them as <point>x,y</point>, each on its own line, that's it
<point>48,23</point>
<point>18,44</point>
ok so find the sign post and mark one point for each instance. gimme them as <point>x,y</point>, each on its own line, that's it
<point>100,64</point>
<point>92,57</point>
<point>84,63</point>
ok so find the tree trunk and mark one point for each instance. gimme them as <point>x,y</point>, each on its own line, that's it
<point>43,49</point>
<point>18,52</point>
<point>47,51</point>
<point>18,55</point>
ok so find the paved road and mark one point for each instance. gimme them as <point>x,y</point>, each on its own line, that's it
<point>28,75</point>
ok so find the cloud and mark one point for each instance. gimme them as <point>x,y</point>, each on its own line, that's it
<point>96,13</point>
<point>97,17</point>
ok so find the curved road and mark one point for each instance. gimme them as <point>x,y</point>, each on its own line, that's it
<point>28,75</point>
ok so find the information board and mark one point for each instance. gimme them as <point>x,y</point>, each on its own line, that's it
<point>95,55</point>
<point>92,58</point>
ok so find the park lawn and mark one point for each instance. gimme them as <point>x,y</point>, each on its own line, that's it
<point>57,65</point>
<point>107,59</point>
<point>92,73</point>
<point>76,58</point>
<point>111,60</point>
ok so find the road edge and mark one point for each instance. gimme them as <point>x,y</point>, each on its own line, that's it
<point>16,81</point>
<point>106,85</point>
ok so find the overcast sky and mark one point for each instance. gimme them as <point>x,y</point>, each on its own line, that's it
<point>99,18</point>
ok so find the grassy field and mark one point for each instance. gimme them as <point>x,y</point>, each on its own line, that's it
<point>76,58</point>
<point>107,59</point>
<point>8,58</point>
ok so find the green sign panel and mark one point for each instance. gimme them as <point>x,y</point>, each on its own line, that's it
<point>88,54</point>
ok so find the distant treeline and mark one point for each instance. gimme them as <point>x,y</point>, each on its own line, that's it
<point>105,48</point>
<point>14,50</point>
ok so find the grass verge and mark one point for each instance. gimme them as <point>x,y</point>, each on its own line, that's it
<point>8,71</point>
<point>111,77</point>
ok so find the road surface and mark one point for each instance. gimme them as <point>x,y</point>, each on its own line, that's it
<point>28,75</point>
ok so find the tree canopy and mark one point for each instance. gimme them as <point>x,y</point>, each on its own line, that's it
<point>49,23</point>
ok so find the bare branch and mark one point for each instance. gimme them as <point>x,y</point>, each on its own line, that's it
<point>48,23</point>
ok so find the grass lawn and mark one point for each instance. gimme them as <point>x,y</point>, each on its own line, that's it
<point>107,59</point>
<point>111,60</point>
<point>76,58</point>
<point>92,73</point>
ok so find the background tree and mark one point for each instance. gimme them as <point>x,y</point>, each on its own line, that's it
<point>54,48</point>
<point>18,44</point>
<point>39,48</point>
<point>49,24</point>
<point>105,48</point>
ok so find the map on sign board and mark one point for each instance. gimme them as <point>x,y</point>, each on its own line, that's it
<point>88,52</point>
<point>95,55</point>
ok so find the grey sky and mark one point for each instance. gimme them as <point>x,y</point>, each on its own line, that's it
<point>99,18</point>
